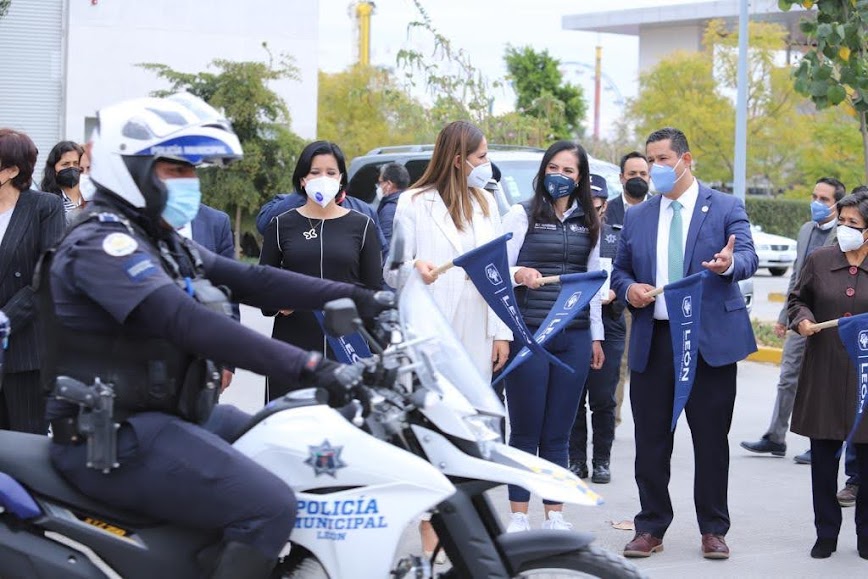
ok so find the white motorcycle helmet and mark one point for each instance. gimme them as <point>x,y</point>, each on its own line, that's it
<point>132,135</point>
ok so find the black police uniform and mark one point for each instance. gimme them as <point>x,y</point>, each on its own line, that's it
<point>600,385</point>
<point>112,288</point>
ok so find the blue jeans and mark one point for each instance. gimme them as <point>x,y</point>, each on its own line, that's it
<point>543,398</point>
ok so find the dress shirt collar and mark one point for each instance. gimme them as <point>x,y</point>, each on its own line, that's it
<point>687,200</point>
<point>628,205</point>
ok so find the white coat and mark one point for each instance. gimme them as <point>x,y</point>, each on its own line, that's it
<point>429,234</point>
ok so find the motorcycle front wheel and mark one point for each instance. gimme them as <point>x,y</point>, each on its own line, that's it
<point>592,561</point>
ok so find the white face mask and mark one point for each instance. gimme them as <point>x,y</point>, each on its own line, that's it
<point>849,239</point>
<point>322,190</point>
<point>86,187</point>
<point>480,175</point>
<point>379,192</point>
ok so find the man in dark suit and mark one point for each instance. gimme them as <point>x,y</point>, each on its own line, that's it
<point>685,230</point>
<point>30,223</point>
<point>212,230</point>
<point>634,179</point>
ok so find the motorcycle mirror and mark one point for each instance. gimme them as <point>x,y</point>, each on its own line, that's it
<point>341,317</point>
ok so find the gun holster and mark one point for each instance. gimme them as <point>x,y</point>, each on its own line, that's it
<point>95,420</point>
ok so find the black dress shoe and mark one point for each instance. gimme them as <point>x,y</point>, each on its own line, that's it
<point>764,445</point>
<point>862,545</point>
<point>580,469</point>
<point>601,474</point>
<point>824,548</point>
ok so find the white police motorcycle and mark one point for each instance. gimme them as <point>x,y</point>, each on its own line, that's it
<point>425,439</point>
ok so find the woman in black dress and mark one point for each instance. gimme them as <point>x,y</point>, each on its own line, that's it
<point>320,239</point>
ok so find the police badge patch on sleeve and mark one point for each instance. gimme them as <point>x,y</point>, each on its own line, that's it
<point>119,244</point>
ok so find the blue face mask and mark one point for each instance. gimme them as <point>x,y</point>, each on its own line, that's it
<point>182,202</point>
<point>819,211</point>
<point>664,177</point>
<point>558,185</point>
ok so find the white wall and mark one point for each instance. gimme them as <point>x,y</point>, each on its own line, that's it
<point>658,42</point>
<point>107,39</point>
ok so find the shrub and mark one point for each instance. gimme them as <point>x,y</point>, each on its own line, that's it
<point>778,216</point>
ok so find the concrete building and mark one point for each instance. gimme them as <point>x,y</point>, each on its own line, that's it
<point>64,59</point>
<point>665,29</point>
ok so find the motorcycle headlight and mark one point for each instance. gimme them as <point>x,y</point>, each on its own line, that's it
<point>486,429</point>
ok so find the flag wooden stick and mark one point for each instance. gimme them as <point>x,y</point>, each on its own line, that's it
<point>442,269</point>
<point>655,292</point>
<point>549,280</point>
<point>824,325</point>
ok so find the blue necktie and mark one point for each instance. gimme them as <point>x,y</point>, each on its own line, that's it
<point>676,248</point>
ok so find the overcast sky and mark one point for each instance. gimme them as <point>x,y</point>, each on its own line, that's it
<point>483,28</point>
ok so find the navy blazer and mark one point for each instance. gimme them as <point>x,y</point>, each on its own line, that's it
<point>726,335</point>
<point>213,231</point>
<point>37,224</point>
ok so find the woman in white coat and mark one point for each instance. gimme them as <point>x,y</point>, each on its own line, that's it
<point>444,215</point>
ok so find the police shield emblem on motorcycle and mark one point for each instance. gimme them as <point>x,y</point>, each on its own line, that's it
<point>325,459</point>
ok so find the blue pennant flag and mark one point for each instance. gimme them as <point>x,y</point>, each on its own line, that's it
<point>577,291</point>
<point>683,299</point>
<point>488,268</point>
<point>347,349</point>
<point>854,334</point>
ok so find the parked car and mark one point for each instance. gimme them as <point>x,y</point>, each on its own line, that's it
<point>518,166</point>
<point>775,253</point>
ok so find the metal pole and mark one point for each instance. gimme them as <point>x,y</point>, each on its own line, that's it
<point>598,73</point>
<point>739,179</point>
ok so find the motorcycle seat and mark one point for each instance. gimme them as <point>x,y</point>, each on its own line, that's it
<point>25,457</point>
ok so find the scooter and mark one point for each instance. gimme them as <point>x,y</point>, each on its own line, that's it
<point>425,438</point>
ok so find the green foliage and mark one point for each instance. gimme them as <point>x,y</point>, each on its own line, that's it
<point>4,7</point>
<point>461,91</point>
<point>835,71</point>
<point>779,216</point>
<point>363,107</point>
<point>790,143</point>
<point>541,92</point>
<point>261,120</point>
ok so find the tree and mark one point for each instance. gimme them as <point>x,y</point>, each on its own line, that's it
<point>541,92</point>
<point>4,7</point>
<point>363,107</point>
<point>835,70</point>
<point>461,91</point>
<point>261,120</point>
<point>693,92</point>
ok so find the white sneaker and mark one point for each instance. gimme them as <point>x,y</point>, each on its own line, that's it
<point>518,523</point>
<point>556,522</point>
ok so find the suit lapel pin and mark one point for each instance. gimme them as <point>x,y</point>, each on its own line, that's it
<point>705,208</point>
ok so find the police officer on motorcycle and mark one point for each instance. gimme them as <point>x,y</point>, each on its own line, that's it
<point>131,305</point>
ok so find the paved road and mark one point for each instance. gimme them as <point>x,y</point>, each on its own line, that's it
<point>770,498</point>
<point>763,284</point>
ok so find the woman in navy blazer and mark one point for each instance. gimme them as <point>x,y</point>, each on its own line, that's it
<point>30,223</point>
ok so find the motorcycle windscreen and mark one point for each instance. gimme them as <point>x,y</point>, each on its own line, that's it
<point>422,319</point>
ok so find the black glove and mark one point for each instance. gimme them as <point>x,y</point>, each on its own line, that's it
<point>369,304</point>
<point>338,380</point>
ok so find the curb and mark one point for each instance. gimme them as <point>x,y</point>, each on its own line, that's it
<point>767,355</point>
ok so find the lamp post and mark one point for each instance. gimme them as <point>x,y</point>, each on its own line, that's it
<point>740,177</point>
